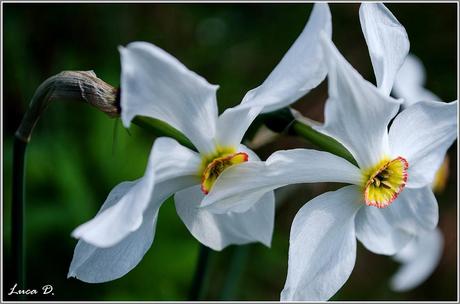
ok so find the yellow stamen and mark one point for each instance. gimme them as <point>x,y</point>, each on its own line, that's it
<point>217,166</point>
<point>383,182</point>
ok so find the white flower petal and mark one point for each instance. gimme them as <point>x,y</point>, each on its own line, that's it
<point>387,41</point>
<point>357,113</point>
<point>102,261</point>
<point>233,124</point>
<point>388,230</point>
<point>322,246</point>
<point>128,200</point>
<point>155,84</point>
<point>300,70</point>
<point>419,208</point>
<point>420,258</point>
<point>421,134</point>
<point>377,231</point>
<point>252,156</point>
<point>280,169</point>
<point>239,203</point>
<point>410,81</point>
<point>92,264</point>
<point>170,160</point>
<point>220,230</point>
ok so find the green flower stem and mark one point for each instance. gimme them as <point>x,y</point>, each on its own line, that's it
<point>321,140</point>
<point>279,121</point>
<point>288,121</point>
<point>200,278</point>
<point>160,128</point>
<point>236,267</point>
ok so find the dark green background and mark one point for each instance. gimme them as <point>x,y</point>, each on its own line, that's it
<point>77,154</point>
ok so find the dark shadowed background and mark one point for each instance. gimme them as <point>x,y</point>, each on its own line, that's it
<point>78,154</point>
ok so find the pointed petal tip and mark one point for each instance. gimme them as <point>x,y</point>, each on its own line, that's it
<point>387,41</point>
<point>80,234</point>
<point>267,243</point>
<point>121,49</point>
<point>265,240</point>
<point>126,119</point>
<point>76,233</point>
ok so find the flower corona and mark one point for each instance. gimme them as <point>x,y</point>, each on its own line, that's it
<point>217,166</point>
<point>383,182</point>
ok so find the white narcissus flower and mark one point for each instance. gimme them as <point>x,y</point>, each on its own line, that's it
<point>390,199</point>
<point>155,84</point>
<point>421,256</point>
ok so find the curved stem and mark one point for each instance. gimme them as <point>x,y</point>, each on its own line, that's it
<point>292,122</point>
<point>321,140</point>
<point>160,128</point>
<point>67,85</point>
<point>80,86</point>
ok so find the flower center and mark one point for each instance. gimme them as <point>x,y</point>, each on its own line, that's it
<point>215,166</point>
<point>383,182</point>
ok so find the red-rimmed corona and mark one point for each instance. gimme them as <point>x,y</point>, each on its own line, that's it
<point>385,181</point>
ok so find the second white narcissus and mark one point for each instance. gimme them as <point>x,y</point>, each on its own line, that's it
<point>421,256</point>
<point>389,201</point>
<point>155,84</point>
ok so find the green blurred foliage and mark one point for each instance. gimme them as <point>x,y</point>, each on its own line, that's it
<point>77,154</point>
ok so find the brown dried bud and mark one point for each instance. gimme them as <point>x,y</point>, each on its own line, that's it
<point>82,86</point>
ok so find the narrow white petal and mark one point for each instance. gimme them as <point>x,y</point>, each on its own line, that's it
<point>233,124</point>
<point>280,169</point>
<point>170,160</point>
<point>420,209</point>
<point>101,261</point>
<point>155,84</point>
<point>301,69</point>
<point>388,230</point>
<point>421,134</point>
<point>410,82</point>
<point>124,214</point>
<point>357,113</point>
<point>92,264</point>
<point>387,41</point>
<point>220,230</point>
<point>123,210</point>
<point>420,258</point>
<point>377,231</point>
<point>322,246</point>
